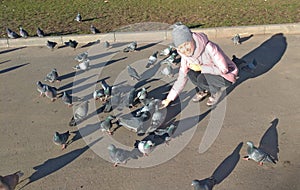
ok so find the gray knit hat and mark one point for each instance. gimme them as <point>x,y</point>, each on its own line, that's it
<point>181,34</point>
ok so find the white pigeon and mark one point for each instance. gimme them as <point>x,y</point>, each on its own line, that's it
<point>146,147</point>
<point>236,39</point>
<point>152,59</point>
<point>85,65</point>
<point>78,17</point>
<point>166,51</point>
<point>167,71</point>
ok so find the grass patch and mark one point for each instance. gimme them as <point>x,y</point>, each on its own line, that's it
<point>57,16</point>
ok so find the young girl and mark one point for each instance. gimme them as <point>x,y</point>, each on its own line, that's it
<point>204,63</point>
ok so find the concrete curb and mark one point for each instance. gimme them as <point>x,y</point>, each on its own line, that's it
<point>150,36</point>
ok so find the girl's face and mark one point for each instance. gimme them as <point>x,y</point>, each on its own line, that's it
<point>186,48</point>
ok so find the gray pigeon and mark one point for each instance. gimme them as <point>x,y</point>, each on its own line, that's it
<point>115,99</point>
<point>83,66</point>
<point>257,154</point>
<point>167,71</point>
<point>129,98</point>
<point>169,59</point>
<point>9,182</point>
<point>157,119</point>
<point>40,33</point>
<point>23,33</point>
<point>118,155</point>
<point>236,39</point>
<point>11,34</point>
<point>106,88</point>
<point>51,44</point>
<point>152,59</point>
<point>50,92</point>
<point>78,17</point>
<point>166,51</point>
<point>67,99</point>
<point>94,30</point>
<point>98,94</point>
<point>52,76</point>
<point>106,44</point>
<point>106,124</point>
<point>137,124</point>
<point>107,107</point>
<point>141,95</point>
<point>81,57</point>
<point>61,139</point>
<point>132,73</point>
<point>40,88</point>
<point>72,44</point>
<point>250,67</point>
<point>131,47</point>
<point>80,113</point>
<point>166,133</point>
<point>205,184</point>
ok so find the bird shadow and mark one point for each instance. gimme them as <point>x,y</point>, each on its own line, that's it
<point>74,83</point>
<point>228,165</point>
<point>13,68</point>
<point>101,55</point>
<point>243,39</point>
<point>89,19</point>
<point>62,46</point>
<point>66,76</point>
<point>4,61</point>
<point>147,46</point>
<point>11,50</point>
<point>84,131</point>
<point>269,141</point>
<point>90,44</point>
<point>54,164</point>
<point>267,55</point>
<point>99,65</point>
<point>61,33</point>
<point>120,44</point>
<point>195,25</point>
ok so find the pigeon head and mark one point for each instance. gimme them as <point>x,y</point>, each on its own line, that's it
<point>195,182</point>
<point>250,144</point>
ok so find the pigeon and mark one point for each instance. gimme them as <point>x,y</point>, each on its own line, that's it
<point>236,39</point>
<point>257,154</point>
<point>11,34</point>
<point>61,139</point>
<point>107,107</point>
<point>94,30</point>
<point>166,133</point>
<point>146,147</point>
<point>250,67</point>
<point>166,51</point>
<point>118,155</point>
<point>167,71</point>
<point>132,73</point>
<point>9,182</point>
<point>157,119</point>
<point>80,113</point>
<point>169,59</point>
<point>129,98</point>
<point>81,57</point>
<point>106,44</point>
<point>40,33</point>
<point>67,99</point>
<point>205,184</point>
<point>136,124</point>
<point>40,88</point>
<point>50,92</point>
<point>141,95</point>
<point>52,76</point>
<point>115,99</point>
<point>23,33</point>
<point>84,66</point>
<point>131,47</point>
<point>78,17</point>
<point>72,43</point>
<point>98,94</point>
<point>106,124</point>
<point>152,59</point>
<point>51,44</point>
<point>106,88</point>
<point>148,107</point>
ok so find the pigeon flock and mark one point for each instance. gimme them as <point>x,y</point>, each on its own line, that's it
<point>147,118</point>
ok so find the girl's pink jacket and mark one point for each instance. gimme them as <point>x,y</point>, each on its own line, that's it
<point>211,59</point>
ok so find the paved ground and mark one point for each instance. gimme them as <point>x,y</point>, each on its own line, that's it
<point>262,107</point>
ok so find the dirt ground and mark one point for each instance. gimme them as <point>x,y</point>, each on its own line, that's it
<point>262,107</point>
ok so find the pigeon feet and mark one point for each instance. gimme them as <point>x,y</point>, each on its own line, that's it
<point>260,163</point>
<point>64,146</point>
<point>246,158</point>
